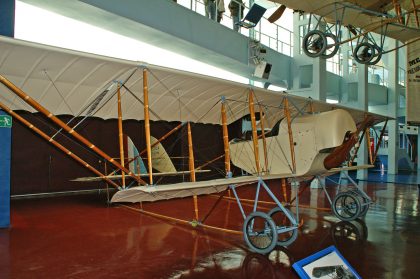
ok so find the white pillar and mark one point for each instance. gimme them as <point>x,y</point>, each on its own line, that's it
<point>393,134</point>
<point>362,102</point>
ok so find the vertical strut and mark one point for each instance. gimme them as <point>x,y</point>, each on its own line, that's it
<point>192,167</point>
<point>263,138</point>
<point>254,130</point>
<point>289,130</point>
<point>225,139</point>
<point>147,125</point>
<point>120,134</point>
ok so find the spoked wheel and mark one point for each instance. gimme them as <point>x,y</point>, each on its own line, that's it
<point>346,206</point>
<point>364,53</point>
<point>314,43</point>
<point>332,46</point>
<point>282,222</point>
<point>260,232</point>
<point>364,202</point>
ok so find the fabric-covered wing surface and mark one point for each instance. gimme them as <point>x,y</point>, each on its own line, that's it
<point>73,83</point>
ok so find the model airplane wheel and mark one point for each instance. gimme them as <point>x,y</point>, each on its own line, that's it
<point>260,232</point>
<point>282,222</point>
<point>364,202</point>
<point>346,206</point>
<point>332,46</point>
<point>364,53</point>
<point>314,43</point>
<point>376,56</point>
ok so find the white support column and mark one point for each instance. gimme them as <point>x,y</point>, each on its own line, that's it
<point>393,135</point>
<point>362,103</point>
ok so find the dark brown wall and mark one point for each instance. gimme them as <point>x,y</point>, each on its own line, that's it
<point>38,167</point>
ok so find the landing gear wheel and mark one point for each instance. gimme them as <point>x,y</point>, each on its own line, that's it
<point>332,46</point>
<point>364,202</point>
<point>364,53</point>
<point>260,232</point>
<point>314,43</point>
<point>281,221</point>
<point>377,55</point>
<point>346,206</point>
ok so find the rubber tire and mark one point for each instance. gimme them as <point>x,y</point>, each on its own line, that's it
<point>364,208</point>
<point>306,39</point>
<point>336,46</point>
<point>356,57</point>
<point>294,235</point>
<point>378,57</point>
<point>268,222</point>
<point>338,199</point>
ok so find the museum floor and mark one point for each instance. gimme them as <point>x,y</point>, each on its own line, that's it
<point>80,237</point>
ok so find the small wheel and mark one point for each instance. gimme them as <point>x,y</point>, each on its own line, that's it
<point>364,202</point>
<point>364,53</point>
<point>346,206</point>
<point>314,43</point>
<point>332,46</point>
<point>281,221</point>
<point>260,232</point>
<point>377,55</point>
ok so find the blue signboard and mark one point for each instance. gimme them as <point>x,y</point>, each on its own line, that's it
<point>5,159</point>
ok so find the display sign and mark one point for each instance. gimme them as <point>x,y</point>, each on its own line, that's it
<point>327,263</point>
<point>5,121</point>
<point>413,84</point>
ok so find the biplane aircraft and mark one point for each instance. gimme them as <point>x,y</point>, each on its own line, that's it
<point>397,19</point>
<point>297,139</point>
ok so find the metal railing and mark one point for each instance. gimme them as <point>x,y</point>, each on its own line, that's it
<point>267,33</point>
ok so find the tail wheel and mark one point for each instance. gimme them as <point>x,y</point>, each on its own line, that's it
<point>282,222</point>
<point>346,206</point>
<point>314,43</point>
<point>260,232</point>
<point>332,46</point>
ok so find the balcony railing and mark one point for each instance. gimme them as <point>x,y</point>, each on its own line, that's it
<point>267,33</point>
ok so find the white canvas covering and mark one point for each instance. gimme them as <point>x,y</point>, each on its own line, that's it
<point>68,82</point>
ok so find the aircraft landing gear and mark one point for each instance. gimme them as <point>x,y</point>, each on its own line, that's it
<point>260,232</point>
<point>367,53</point>
<point>314,43</point>
<point>346,206</point>
<point>264,231</point>
<point>285,236</point>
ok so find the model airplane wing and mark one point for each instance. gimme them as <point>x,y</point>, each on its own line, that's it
<point>118,177</point>
<point>184,189</point>
<point>87,88</point>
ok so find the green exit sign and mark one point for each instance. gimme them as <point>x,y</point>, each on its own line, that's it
<point>5,121</point>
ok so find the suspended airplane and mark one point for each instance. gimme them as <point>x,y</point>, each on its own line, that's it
<point>397,19</point>
<point>298,139</point>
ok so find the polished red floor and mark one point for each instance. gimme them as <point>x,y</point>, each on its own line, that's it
<point>80,237</point>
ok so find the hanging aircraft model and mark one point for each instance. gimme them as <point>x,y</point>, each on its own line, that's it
<point>397,19</point>
<point>298,139</point>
